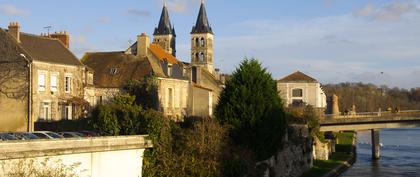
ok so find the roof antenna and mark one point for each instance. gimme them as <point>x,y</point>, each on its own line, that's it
<point>48,29</point>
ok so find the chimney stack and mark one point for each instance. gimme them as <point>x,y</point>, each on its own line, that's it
<point>14,30</point>
<point>143,43</point>
<point>63,36</point>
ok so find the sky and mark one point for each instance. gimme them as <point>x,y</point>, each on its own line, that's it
<point>371,41</point>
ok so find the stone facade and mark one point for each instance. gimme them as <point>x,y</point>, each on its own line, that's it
<point>14,90</point>
<point>58,99</point>
<point>299,89</point>
<point>173,96</point>
<point>54,79</point>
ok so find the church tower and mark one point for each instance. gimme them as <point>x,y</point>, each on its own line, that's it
<point>164,35</point>
<point>202,42</point>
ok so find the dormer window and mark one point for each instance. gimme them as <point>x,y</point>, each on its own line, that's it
<point>113,71</point>
<point>169,70</point>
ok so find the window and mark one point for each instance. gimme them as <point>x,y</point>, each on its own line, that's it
<point>184,72</point>
<point>196,57</point>
<point>297,93</point>
<point>201,57</point>
<point>90,78</point>
<point>202,42</point>
<point>113,71</point>
<point>170,97</point>
<point>67,112</point>
<point>53,82</point>
<point>45,111</point>
<point>67,84</point>
<point>41,81</point>
<point>169,70</point>
<point>197,42</point>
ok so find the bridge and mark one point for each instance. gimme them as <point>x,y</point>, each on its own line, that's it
<point>373,121</point>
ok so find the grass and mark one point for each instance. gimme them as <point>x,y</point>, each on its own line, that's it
<point>343,152</point>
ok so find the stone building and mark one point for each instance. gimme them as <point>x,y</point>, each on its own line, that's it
<point>299,89</point>
<point>57,78</point>
<point>14,87</point>
<point>184,89</point>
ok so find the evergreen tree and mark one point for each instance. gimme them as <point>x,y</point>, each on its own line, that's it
<point>251,106</point>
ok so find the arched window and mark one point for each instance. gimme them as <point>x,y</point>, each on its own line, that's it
<point>196,57</point>
<point>197,44</point>
<point>202,42</point>
<point>297,92</point>
<point>201,56</point>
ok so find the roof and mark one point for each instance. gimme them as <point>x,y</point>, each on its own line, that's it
<point>10,49</point>
<point>47,50</point>
<point>162,54</point>
<point>115,69</point>
<point>164,26</point>
<point>202,25</point>
<point>298,77</point>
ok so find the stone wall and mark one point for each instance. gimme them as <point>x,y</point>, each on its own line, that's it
<point>97,157</point>
<point>323,150</point>
<point>293,159</point>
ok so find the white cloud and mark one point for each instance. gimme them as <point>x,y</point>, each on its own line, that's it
<point>11,10</point>
<point>333,49</point>
<point>389,12</point>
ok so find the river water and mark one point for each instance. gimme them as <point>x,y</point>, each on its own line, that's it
<point>400,155</point>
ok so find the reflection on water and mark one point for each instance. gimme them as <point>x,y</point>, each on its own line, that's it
<point>400,155</point>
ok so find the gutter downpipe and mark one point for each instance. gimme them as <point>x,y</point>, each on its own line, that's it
<point>29,65</point>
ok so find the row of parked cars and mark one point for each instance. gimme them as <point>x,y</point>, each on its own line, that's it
<point>8,136</point>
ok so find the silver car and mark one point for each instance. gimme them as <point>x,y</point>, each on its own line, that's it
<point>7,137</point>
<point>47,135</point>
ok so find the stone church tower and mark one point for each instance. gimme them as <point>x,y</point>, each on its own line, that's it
<point>202,42</point>
<point>164,35</point>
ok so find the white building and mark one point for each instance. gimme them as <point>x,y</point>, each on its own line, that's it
<point>298,89</point>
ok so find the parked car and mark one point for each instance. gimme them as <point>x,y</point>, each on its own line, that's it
<point>24,135</point>
<point>7,137</point>
<point>47,135</point>
<point>89,133</point>
<point>71,134</point>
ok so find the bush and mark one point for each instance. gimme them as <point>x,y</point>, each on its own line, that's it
<point>121,117</point>
<point>251,105</point>
<point>184,151</point>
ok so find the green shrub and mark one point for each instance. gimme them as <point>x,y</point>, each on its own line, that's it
<point>251,105</point>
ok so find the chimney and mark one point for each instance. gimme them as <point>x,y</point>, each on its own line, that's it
<point>63,36</point>
<point>14,30</point>
<point>143,43</point>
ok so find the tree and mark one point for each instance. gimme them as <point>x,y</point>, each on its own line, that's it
<point>145,91</point>
<point>121,117</point>
<point>251,106</point>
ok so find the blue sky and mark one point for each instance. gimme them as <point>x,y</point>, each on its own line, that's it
<point>332,40</point>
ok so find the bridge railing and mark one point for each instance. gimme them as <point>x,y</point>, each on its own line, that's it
<point>373,114</point>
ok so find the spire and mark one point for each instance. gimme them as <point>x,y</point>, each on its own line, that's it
<point>202,25</point>
<point>164,26</point>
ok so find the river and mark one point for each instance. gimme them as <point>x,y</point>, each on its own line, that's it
<point>400,155</point>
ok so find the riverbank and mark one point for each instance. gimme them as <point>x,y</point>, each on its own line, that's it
<point>339,161</point>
